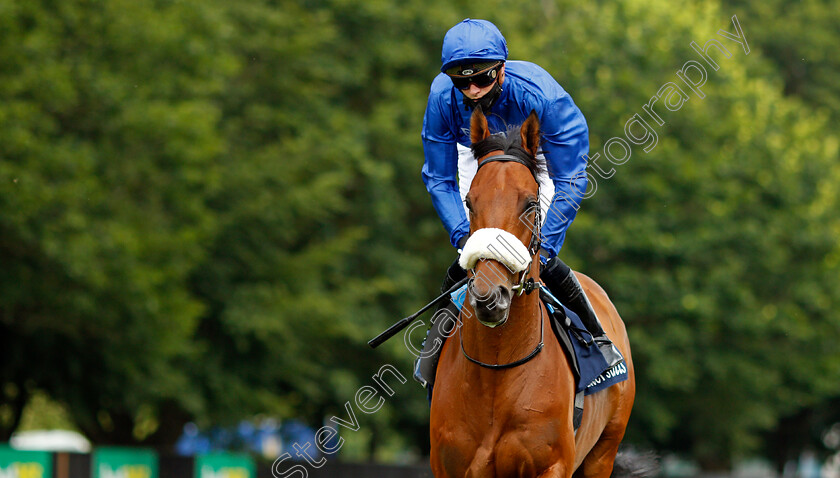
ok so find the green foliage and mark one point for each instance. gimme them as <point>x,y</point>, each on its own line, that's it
<point>799,44</point>
<point>43,414</point>
<point>108,157</point>
<point>209,207</point>
<point>718,245</point>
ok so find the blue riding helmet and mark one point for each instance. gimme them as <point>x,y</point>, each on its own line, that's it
<point>472,40</point>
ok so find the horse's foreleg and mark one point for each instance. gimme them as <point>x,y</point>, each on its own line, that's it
<point>599,462</point>
<point>557,470</point>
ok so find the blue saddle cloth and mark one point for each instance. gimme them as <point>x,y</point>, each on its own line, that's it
<point>595,374</point>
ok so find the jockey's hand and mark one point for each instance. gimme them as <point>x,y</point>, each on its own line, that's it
<point>454,274</point>
<point>544,259</point>
<point>461,243</point>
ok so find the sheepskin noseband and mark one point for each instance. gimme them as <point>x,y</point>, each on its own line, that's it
<point>495,244</point>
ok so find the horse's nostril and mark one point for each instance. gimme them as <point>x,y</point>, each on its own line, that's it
<point>496,298</point>
<point>505,296</point>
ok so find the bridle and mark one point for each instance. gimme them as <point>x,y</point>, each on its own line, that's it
<point>526,286</point>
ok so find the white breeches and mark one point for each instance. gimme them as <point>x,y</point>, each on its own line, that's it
<point>467,166</point>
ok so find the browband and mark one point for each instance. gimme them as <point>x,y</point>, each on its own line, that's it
<point>506,158</point>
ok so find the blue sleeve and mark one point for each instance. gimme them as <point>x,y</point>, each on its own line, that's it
<point>565,145</point>
<point>441,168</point>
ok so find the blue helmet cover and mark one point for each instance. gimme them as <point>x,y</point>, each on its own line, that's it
<point>477,40</point>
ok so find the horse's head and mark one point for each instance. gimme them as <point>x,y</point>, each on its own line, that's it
<point>504,216</point>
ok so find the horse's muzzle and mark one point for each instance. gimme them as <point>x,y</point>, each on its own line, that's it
<point>491,304</point>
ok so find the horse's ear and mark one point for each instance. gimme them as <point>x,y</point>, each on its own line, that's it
<point>530,133</point>
<point>478,126</point>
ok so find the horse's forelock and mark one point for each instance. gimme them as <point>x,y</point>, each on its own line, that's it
<point>510,143</point>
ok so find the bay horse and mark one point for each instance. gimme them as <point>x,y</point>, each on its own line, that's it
<point>502,404</point>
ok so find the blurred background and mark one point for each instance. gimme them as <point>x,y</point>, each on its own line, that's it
<point>208,207</point>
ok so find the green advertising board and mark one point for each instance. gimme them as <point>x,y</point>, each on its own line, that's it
<point>224,466</point>
<point>25,464</point>
<point>124,463</point>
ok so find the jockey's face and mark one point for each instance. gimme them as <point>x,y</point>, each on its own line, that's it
<point>475,92</point>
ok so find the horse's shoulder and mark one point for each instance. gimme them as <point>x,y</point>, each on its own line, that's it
<point>589,284</point>
<point>596,294</point>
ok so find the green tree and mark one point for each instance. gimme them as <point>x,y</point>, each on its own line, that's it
<point>209,207</point>
<point>109,150</point>
<point>717,245</point>
<point>321,242</point>
<point>799,45</point>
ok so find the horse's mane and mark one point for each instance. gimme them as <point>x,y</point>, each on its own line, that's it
<point>511,143</point>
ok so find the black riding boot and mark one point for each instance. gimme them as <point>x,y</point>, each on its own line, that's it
<point>563,283</point>
<point>442,322</point>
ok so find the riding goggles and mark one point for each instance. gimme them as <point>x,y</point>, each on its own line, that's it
<point>465,76</point>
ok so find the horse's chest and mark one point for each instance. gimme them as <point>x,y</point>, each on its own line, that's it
<point>514,423</point>
<point>520,444</point>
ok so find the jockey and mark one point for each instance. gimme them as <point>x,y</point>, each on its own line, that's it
<point>475,73</point>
